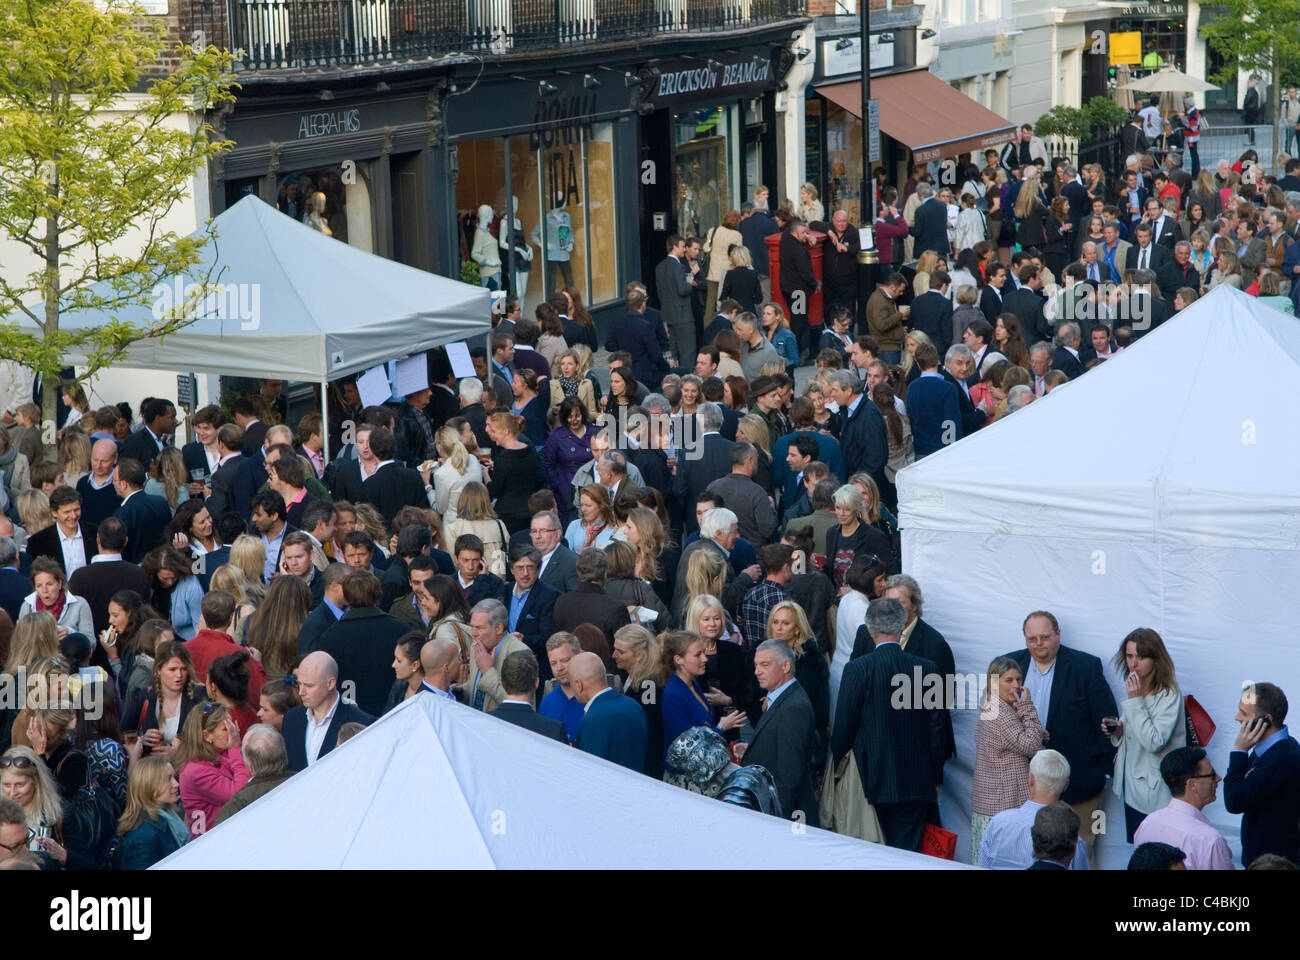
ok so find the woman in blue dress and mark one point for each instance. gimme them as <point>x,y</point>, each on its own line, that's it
<point>685,703</point>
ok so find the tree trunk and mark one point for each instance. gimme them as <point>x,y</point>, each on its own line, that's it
<point>50,385</point>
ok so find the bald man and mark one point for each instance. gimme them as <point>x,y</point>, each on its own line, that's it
<point>440,658</point>
<point>613,725</point>
<point>312,730</point>
<point>98,498</point>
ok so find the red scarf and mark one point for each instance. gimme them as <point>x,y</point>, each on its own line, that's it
<point>56,610</point>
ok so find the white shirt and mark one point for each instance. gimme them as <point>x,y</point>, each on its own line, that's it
<point>105,557</point>
<point>94,485</point>
<point>546,558</point>
<point>74,550</point>
<point>595,698</point>
<point>316,731</point>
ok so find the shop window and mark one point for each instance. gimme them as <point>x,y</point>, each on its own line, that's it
<point>843,162</point>
<point>481,184</point>
<point>700,169</point>
<point>297,193</point>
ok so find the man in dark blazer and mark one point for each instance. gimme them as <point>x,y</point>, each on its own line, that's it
<point>932,312</point>
<point>930,223</point>
<point>862,428</point>
<point>701,460</point>
<point>530,605</point>
<point>14,587</point>
<point>230,440</point>
<point>144,515</point>
<point>251,473</point>
<point>245,414</point>
<point>362,642</point>
<point>614,726</point>
<point>1178,272</point>
<point>898,742</point>
<point>65,505</point>
<point>1165,231</point>
<point>393,485</point>
<point>785,736</point>
<point>971,418</point>
<point>1077,700</point>
<point>631,331</point>
<point>318,688</point>
<point>1144,248</point>
<point>107,573</point>
<point>1146,310</point>
<point>933,405</point>
<point>159,418</point>
<point>559,565</point>
<point>589,603</point>
<point>328,612</point>
<point>839,266</point>
<point>675,286</point>
<point>1066,355</point>
<point>1027,303</point>
<point>797,280</point>
<point>519,678</point>
<point>1263,779</point>
<point>992,297</point>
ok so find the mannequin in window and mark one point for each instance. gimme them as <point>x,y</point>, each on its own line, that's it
<point>316,214</point>
<point>523,253</point>
<point>484,252</point>
<point>559,246</point>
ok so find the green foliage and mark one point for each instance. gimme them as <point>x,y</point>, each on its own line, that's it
<point>469,272</point>
<point>1255,35</point>
<point>1104,112</point>
<point>97,147</point>
<point>1062,121</point>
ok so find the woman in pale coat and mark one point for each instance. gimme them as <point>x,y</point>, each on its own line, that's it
<point>567,381</point>
<point>718,246</point>
<point>457,468</point>
<point>50,594</point>
<point>1150,724</point>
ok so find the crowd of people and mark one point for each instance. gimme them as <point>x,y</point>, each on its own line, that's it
<point>694,569</point>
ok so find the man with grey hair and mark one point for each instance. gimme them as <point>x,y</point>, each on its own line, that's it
<point>1040,364</point>
<point>1018,397</point>
<point>14,587</point>
<point>750,503</point>
<point>492,644</point>
<point>1179,272</point>
<point>886,715</point>
<point>719,531</point>
<point>785,739</point>
<point>700,461</point>
<point>1007,844</point>
<point>1066,355</point>
<point>612,470</point>
<point>265,757</point>
<point>862,428</point>
<point>755,350</point>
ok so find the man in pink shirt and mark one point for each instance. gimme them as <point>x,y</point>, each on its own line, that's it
<point>1193,783</point>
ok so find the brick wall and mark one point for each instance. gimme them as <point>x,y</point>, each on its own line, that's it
<point>828,8</point>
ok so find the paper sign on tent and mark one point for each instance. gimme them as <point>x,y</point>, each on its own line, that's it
<point>461,364</point>
<point>412,375</point>
<point>373,387</point>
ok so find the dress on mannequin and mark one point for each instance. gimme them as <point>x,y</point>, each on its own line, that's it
<point>559,246</point>
<point>485,251</point>
<point>522,257</point>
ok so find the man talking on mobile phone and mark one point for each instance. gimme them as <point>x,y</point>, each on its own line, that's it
<point>1263,779</point>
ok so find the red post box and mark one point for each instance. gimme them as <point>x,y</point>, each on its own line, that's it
<point>774,271</point>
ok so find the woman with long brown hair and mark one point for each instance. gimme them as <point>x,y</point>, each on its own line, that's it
<point>209,764</point>
<point>594,525</point>
<point>275,626</point>
<point>1009,340</point>
<point>898,432</point>
<point>578,314</point>
<point>1058,237</point>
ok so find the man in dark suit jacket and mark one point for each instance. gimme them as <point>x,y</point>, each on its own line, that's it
<point>932,312</point>
<point>930,224</point>
<point>1178,272</point>
<point>589,603</point>
<point>862,429</point>
<point>14,587</point>
<point>1055,836</point>
<point>1146,311</point>
<point>675,286</point>
<point>899,746</point>
<point>530,605</point>
<point>933,405</point>
<point>701,460</point>
<point>559,564</point>
<point>107,573</point>
<point>785,737</point>
<point>250,474</point>
<point>1027,303</point>
<point>1078,699</point>
<point>362,643</point>
<point>614,726</point>
<point>1263,779</point>
<point>797,280</point>
<point>520,680</point>
<point>1156,255</point>
<point>632,332</point>
<point>159,418</point>
<point>393,485</point>
<point>1066,357</point>
<point>230,440</point>
<point>65,505</point>
<point>318,688</point>
<point>144,515</point>
<point>1165,231</point>
<point>326,613</point>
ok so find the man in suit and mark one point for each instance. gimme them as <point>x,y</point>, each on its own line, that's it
<point>799,454</point>
<point>99,498</point>
<point>69,541</point>
<point>746,499</point>
<point>559,564</point>
<point>1101,348</point>
<point>897,741</point>
<point>245,414</point>
<point>1146,310</point>
<point>589,603</point>
<point>328,612</point>
<point>1112,254</point>
<point>675,283</point>
<point>492,644</point>
<point>632,332</point>
<point>362,642</point>
<point>318,682</point>
<point>930,223</point>
<point>230,441</point>
<point>840,261</point>
<point>144,515</point>
<point>933,404</point>
<point>14,587</point>
<point>1263,779</point>
<point>959,370</point>
<point>1071,187</point>
<point>159,418</point>
<point>106,574</point>
<point>392,485</point>
<point>1027,303</point>
<point>470,393</point>
<point>295,561</point>
<point>519,679</point>
<point>785,739</point>
<point>1066,355</point>
<point>862,428</point>
<point>1055,835</point>
<point>440,658</point>
<point>1178,272</point>
<point>1251,248</point>
<point>797,282</point>
<point>994,293</point>
<point>1146,255</point>
<point>701,460</point>
<point>1131,197</point>
<point>613,726</point>
<point>932,311</point>
<point>612,473</point>
<point>251,473</point>
<point>531,604</point>
<point>1072,698</point>
<point>1165,232</point>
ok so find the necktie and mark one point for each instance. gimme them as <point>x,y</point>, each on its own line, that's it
<point>479,699</point>
<point>1145,258</point>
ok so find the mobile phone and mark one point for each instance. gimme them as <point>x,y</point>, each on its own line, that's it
<point>1111,724</point>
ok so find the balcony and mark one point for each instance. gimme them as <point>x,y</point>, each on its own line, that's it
<point>303,34</point>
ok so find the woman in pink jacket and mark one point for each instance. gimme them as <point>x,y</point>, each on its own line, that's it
<point>210,765</point>
<point>1007,734</point>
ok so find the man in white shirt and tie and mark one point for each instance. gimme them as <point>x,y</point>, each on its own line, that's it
<point>1088,258</point>
<point>1040,364</point>
<point>1145,255</point>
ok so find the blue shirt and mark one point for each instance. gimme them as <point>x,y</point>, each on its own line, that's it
<point>1040,686</point>
<point>517,601</point>
<point>565,709</point>
<point>337,611</point>
<point>774,695</point>
<point>852,408</point>
<point>1263,745</point>
<point>1007,844</point>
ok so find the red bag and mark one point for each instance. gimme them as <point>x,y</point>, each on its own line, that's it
<point>1199,723</point>
<point>938,842</point>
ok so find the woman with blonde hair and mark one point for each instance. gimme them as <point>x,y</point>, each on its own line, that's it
<point>925,265</point>
<point>776,327</point>
<point>567,380</point>
<point>151,826</point>
<point>511,470</point>
<point>705,574</point>
<point>717,243</point>
<point>168,477</point>
<point>691,397</point>
<point>248,553</point>
<point>230,578</point>
<point>789,622</point>
<point>645,533</point>
<point>913,340</point>
<point>810,208</point>
<point>27,781</point>
<point>74,454</point>
<point>854,536</point>
<point>637,655</point>
<point>479,518</point>
<point>728,344</point>
<point>456,467</point>
<point>34,511</point>
<point>35,636</point>
<point>209,764</point>
<point>371,522</point>
<point>594,525</point>
<point>755,430</point>
<point>1031,214</point>
<point>1007,735</point>
<point>73,396</point>
<point>586,368</point>
<point>726,679</point>
<point>741,282</point>
<point>878,514</point>
<point>275,626</point>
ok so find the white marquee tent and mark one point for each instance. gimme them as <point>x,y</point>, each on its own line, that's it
<point>1162,489</point>
<point>438,785</point>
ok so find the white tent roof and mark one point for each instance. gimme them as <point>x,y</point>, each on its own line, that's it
<point>323,309</point>
<point>438,785</point>
<point>1187,437</point>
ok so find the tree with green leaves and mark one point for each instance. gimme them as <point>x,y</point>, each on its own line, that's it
<point>100,140</point>
<point>1257,36</point>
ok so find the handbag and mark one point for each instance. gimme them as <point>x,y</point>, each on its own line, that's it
<point>938,842</point>
<point>1200,728</point>
<point>844,807</point>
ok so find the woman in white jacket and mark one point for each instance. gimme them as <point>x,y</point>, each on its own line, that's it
<point>970,224</point>
<point>457,467</point>
<point>71,613</point>
<point>1150,724</point>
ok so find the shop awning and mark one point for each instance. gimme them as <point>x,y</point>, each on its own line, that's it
<point>926,115</point>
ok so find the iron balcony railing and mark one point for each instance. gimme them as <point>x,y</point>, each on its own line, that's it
<point>297,34</point>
